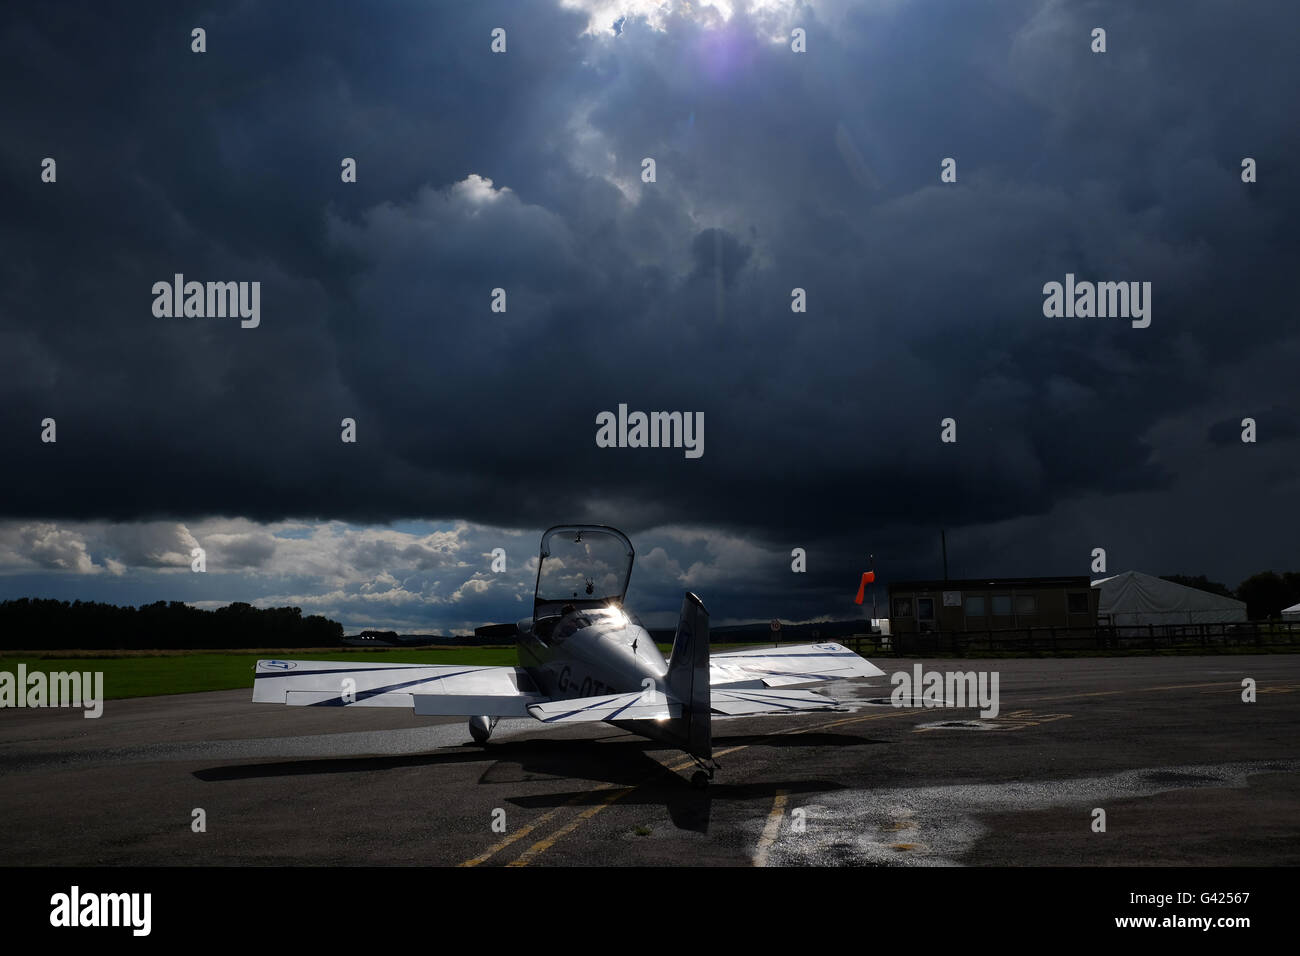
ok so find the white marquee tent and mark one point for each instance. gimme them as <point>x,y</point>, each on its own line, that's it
<point>1134,598</point>
<point>1291,613</point>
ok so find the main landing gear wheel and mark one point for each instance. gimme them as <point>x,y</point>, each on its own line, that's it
<point>480,728</point>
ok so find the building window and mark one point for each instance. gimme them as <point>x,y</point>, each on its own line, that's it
<point>925,609</point>
<point>1002,605</point>
<point>1077,602</point>
<point>1026,604</point>
<point>903,607</point>
<point>975,606</point>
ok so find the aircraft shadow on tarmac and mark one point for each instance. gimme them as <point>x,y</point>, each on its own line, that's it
<point>619,760</point>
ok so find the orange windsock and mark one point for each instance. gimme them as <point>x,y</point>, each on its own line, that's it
<point>867,578</point>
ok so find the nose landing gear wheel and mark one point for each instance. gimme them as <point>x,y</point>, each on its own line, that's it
<point>700,780</point>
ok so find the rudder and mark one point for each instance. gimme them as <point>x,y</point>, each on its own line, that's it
<point>687,679</point>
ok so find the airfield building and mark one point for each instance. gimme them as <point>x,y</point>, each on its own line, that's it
<point>980,604</point>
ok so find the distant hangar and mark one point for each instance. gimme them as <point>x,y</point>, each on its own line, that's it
<point>1136,599</point>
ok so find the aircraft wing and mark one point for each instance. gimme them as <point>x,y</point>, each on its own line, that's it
<point>438,689</point>
<point>778,666</point>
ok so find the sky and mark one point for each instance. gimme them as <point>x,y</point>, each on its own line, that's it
<point>775,169</point>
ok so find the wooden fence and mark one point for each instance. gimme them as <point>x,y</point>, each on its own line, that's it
<point>1257,636</point>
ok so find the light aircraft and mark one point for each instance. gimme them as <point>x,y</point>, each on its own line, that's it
<point>584,657</point>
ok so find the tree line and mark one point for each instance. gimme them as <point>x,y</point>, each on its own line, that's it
<point>41,623</point>
<point>1265,594</point>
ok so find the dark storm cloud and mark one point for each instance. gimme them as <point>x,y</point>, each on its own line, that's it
<point>774,171</point>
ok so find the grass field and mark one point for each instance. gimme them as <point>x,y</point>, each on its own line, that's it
<point>147,674</point>
<point>155,673</point>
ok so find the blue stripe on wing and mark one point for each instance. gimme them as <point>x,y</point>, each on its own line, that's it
<point>634,700</point>
<point>376,691</point>
<point>580,710</point>
<point>775,700</point>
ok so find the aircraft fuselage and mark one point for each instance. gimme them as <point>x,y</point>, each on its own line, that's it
<point>590,652</point>
<point>596,651</point>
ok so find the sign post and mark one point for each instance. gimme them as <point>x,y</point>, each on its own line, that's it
<point>874,615</point>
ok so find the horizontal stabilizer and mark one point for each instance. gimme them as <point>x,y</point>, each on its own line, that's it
<point>637,706</point>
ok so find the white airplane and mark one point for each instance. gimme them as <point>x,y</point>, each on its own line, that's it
<point>584,657</point>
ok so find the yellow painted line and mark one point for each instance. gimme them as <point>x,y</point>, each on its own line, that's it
<point>1135,690</point>
<point>541,846</point>
<point>1270,689</point>
<point>900,712</point>
<point>770,831</point>
<point>521,832</point>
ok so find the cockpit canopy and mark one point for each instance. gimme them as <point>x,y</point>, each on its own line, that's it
<point>584,566</point>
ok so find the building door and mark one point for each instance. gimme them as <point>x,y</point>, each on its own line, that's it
<point>925,614</point>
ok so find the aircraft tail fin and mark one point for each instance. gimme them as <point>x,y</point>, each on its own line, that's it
<point>687,679</point>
